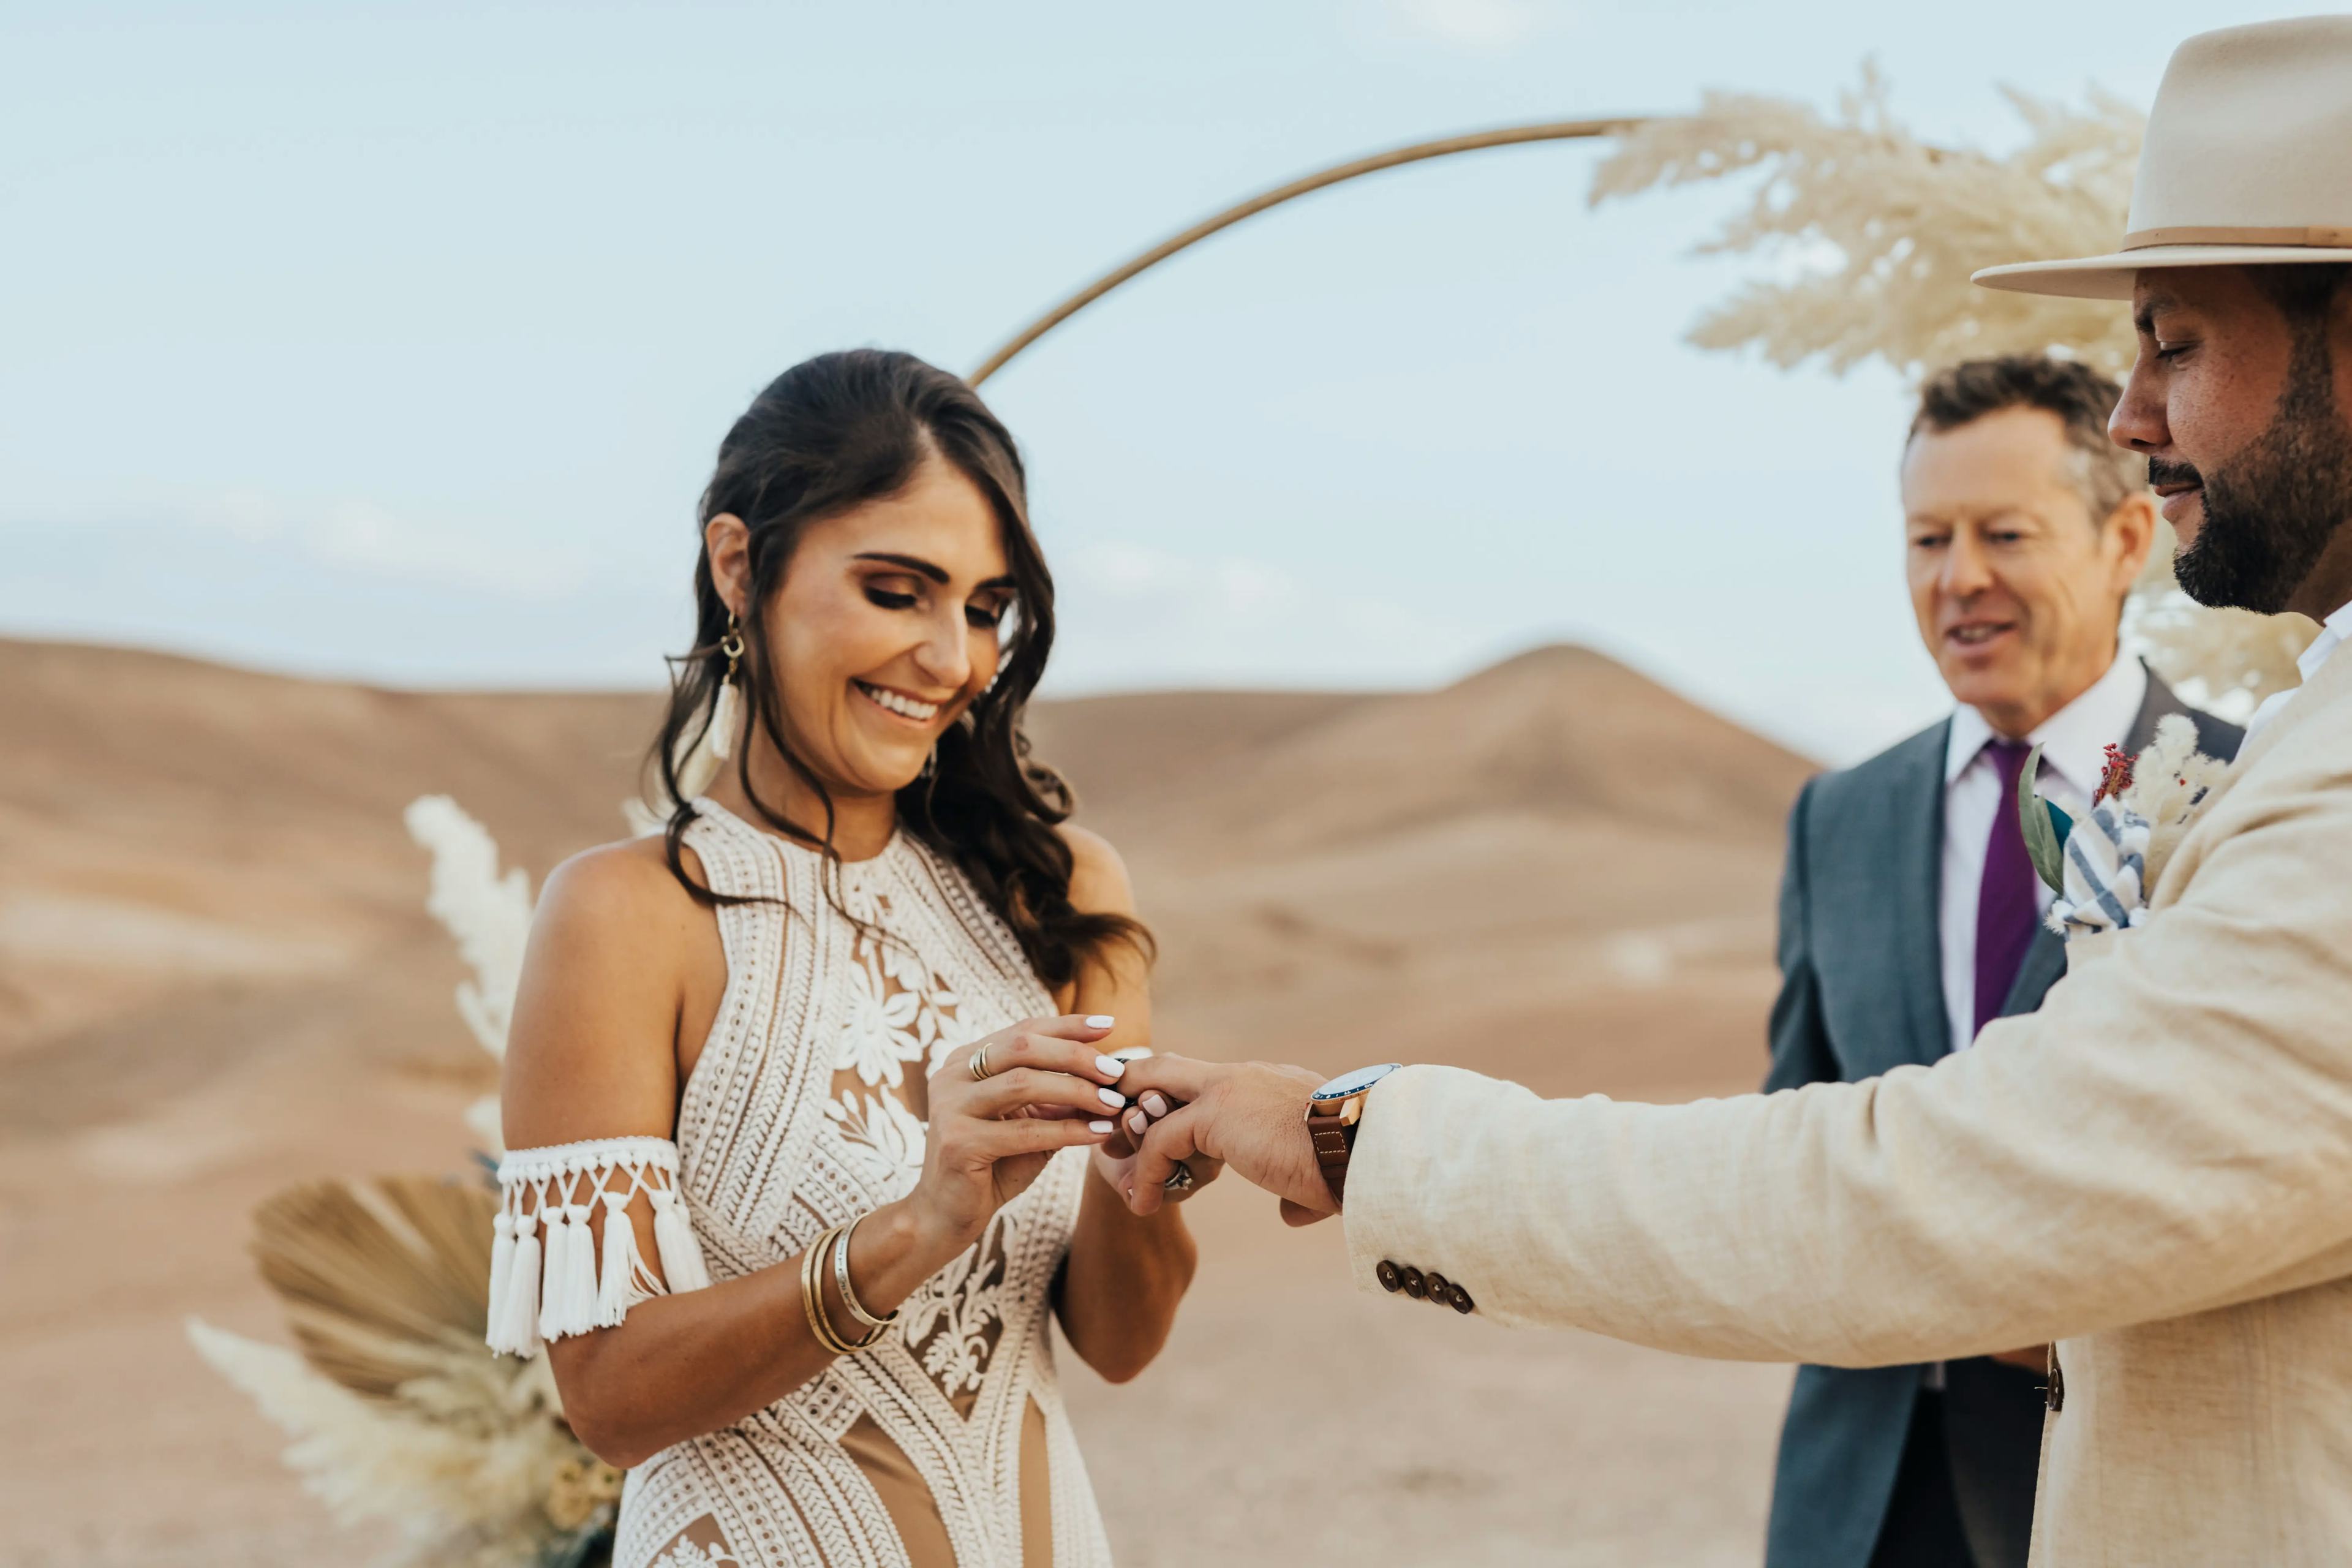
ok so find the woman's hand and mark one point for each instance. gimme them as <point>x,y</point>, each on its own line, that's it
<point>1045,1090</point>
<point>1114,1162</point>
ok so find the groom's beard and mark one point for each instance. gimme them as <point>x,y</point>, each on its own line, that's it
<point>2272,509</point>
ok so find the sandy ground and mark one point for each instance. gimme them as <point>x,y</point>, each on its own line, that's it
<point>1289,1416</point>
<point>215,980</point>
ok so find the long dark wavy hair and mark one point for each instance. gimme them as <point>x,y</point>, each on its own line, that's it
<point>830,433</point>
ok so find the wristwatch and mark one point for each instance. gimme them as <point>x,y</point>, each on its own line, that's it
<point>1332,1112</point>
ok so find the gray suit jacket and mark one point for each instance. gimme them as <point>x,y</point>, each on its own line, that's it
<point>1861,992</point>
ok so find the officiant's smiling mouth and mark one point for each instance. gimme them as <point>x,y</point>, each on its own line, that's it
<point>1978,639</point>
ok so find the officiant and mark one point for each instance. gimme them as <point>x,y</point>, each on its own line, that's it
<point>1918,920</point>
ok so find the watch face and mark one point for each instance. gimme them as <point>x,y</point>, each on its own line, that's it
<point>1356,1082</point>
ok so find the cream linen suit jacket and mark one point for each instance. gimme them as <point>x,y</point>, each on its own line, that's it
<point>2155,1171</point>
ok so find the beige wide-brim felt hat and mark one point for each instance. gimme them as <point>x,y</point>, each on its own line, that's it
<point>2248,161</point>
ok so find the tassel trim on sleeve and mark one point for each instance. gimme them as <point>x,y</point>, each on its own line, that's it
<point>542,1291</point>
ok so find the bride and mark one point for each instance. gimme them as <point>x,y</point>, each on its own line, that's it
<point>810,1098</point>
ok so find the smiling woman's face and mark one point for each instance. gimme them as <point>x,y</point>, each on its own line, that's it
<point>885,628</point>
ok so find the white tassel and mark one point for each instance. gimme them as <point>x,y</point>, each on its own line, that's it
<point>557,1270</point>
<point>725,717</point>
<point>681,1255</point>
<point>617,1292</point>
<point>502,1264</point>
<point>519,1334</point>
<point>579,1271</point>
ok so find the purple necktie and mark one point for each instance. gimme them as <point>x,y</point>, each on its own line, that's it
<point>2009,905</point>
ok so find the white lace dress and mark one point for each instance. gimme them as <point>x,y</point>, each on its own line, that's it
<point>945,1446</point>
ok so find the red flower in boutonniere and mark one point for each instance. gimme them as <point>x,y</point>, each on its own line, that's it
<point>2115,778</point>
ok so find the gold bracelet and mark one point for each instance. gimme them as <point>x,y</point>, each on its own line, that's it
<point>811,1301</point>
<point>812,1263</point>
<point>849,1294</point>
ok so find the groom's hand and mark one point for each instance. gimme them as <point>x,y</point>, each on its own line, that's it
<point>1251,1115</point>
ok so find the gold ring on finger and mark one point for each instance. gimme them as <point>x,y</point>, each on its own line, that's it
<point>980,1063</point>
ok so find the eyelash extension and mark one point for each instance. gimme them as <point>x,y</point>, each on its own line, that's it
<point>891,601</point>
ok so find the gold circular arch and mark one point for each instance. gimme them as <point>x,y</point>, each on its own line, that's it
<point>1419,152</point>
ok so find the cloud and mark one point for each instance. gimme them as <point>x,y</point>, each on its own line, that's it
<point>363,536</point>
<point>1138,615</point>
<point>1478,26</point>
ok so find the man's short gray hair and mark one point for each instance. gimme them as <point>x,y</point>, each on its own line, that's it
<point>2080,397</point>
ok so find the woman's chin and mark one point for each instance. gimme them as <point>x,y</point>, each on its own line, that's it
<point>886,776</point>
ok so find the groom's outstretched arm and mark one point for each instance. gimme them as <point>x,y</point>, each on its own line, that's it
<point>2171,1132</point>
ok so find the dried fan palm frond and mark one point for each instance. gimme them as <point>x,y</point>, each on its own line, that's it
<point>1884,230</point>
<point>383,1280</point>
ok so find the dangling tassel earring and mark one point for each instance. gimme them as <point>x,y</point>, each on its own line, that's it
<point>724,713</point>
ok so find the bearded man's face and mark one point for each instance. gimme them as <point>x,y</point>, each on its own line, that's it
<point>2271,509</point>
<point>2239,410</point>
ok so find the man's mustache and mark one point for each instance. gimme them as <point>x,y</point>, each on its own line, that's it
<point>2161,473</point>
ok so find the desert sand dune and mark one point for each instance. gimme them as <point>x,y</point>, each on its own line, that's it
<point>216,977</point>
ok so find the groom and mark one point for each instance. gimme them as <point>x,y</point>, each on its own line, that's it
<point>2154,1170</point>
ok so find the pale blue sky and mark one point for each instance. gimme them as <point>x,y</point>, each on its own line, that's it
<point>395,339</point>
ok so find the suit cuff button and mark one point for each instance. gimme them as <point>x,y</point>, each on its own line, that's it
<point>1416,1284</point>
<point>1459,1299</point>
<point>1390,1280</point>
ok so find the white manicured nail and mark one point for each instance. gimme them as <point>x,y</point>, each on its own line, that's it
<point>1102,1020</point>
<point>1112,1098</point>
<point>1137,1123</point>
<point>1154,1103</point>
<point>1110,1066</point>
<point>1098,1127</point>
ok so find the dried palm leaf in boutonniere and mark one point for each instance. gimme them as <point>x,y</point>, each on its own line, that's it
<point>2045,825</point>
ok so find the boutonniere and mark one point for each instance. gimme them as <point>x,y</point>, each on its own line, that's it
<point>2102,866</point>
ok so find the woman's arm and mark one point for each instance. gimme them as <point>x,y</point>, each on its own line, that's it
<point>1118,1290</point>
<point>619,955</point>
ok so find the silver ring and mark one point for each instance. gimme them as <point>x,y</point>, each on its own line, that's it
<point>1179,1180</point>
<point>979,1063</point>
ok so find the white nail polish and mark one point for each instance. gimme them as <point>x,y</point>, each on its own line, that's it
<point>1137,1123</point>
<point>1154,1103</point>
<point>1110,1066</point>
<point>1112,1098</point>
<point>1102,1020</point>
<point>1098,1127</point>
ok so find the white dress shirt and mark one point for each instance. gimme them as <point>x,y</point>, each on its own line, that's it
<point>2074,742</point>
<point>2332,632</point>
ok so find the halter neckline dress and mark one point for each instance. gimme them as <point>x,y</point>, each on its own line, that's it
<point>944,1446</point>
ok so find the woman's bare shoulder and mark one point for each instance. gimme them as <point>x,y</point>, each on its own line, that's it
<point>624,890</point>
<point>1098,880</point>
<point>592,1052</point>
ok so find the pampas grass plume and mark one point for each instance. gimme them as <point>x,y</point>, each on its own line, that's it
<point>487,913</point>
<point>1874,235</point>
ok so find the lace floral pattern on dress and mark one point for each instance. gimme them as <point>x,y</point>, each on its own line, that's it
<point>687,1554</point>
<point>897,1011</point>
<point>953,1321</point>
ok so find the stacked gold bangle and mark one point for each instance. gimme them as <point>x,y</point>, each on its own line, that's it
<point>834,1244</point>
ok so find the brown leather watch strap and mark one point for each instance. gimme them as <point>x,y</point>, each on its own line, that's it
<point>1334,1142</point>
